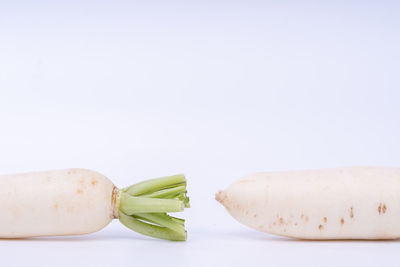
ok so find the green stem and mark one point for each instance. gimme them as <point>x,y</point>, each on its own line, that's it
<point>130,205</point>
<point>155,185</point>
<point>143,206</point>
<point>163,220</point>
<point>168,193</point>
<point>178,220</point>
<point>151,230</point>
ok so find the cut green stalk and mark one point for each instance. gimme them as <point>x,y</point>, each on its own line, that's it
<point>185,199</point>
<point>143,207</point>
<point>150,230</point>
<point>178,220</point>
<point>156,184</point>
<point>130,205</point>
<point>161,219</point>
<point>169,192</point>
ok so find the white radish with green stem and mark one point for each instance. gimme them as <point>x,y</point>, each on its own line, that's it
<point>80,201</point>
<point>342,203</point>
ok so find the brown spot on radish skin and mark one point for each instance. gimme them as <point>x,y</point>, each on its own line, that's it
<point>341,221</point>
<point>302,216</point>
<point>325,220</point>
<point>280,220</point>
<point>55,206</point>
<point>306,218</point>
<point>93,182</point>
<point>351,213</point>
<point>79,191</point>
<point>320,227</point>
<point>382,208</point>
<point>255,215</point>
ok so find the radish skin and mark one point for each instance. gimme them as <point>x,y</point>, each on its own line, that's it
<point>65,202</point>
<point>342,203</point>
<point>80,201</point>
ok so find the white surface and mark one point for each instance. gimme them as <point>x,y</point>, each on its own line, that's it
<point>209,245</point>
<point>214,90</point>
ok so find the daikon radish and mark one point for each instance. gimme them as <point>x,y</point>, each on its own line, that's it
<point>80,201</point>
<point>343,203</point>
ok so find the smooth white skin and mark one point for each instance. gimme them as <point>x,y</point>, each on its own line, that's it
<point>345,203</point>
<point>62,202</point>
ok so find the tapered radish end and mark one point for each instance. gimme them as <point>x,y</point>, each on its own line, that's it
<point>220,196</point>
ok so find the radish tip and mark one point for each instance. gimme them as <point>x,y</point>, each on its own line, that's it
<point>220,196</point>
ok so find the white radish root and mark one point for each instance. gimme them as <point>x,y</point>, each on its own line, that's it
<point>342,203</point>
<point>80,201</point>
<point>65,202</point>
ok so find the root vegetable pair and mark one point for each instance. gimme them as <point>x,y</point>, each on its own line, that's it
<point>344,203</point>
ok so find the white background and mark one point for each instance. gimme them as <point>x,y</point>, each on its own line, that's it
<point>215,90</point>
